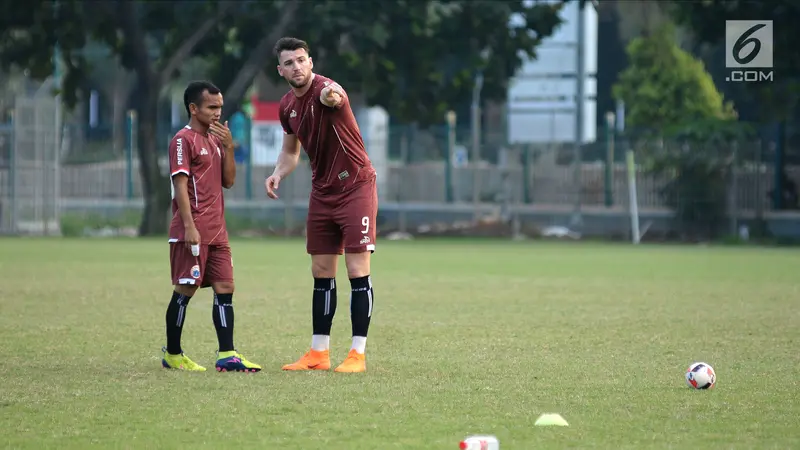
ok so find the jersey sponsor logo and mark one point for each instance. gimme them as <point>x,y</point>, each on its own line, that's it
<point>179,151</point>
<point>195,271</point>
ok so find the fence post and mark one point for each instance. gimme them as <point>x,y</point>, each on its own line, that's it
<point>609,172</point>
<point>527,161</point>
<point>132,144</point>
<point>397,185</point>
<point>12,179</point>
<point>633,201</point>
<point>448,162</point>
<point>734,187</point>
<point>777,193</point>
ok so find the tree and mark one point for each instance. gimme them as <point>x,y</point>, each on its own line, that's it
<point>664,86</point>
<point>234,67</point>
<point>668,93</point>
<point>151,39</point>
<point>776,100</point>
<point>411,57</point>
<point>417,59</point>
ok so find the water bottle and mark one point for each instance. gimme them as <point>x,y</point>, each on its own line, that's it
<point>480,443</point>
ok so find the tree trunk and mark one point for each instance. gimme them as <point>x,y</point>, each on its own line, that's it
<point>155,187</point>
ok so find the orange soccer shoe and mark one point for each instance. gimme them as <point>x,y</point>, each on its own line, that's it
<point>312,360</point>
<point>355,362</point>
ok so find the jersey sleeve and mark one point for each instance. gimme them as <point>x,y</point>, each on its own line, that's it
<point>180,156</point>
<point>287,129</point>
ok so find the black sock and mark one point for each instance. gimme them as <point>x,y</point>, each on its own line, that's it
<point>323,305</point>
<point>361,298</point>
<point>222,313</point>
<point>176,313</point>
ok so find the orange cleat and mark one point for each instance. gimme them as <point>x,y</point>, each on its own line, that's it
<point>355,362</point>
<point>312,360</point>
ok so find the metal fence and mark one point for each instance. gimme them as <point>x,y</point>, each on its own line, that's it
<point>528,176</point>
<point>30,184</point>
<point>418,177</point>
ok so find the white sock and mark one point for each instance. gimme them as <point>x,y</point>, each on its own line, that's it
<point>320,342</point>
<point>359,344</point>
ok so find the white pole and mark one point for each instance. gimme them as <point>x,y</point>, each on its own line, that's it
<point>57,168</point>
<point>634,206</point>
<point>577,218</point>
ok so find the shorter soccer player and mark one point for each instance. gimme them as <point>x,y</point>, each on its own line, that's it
<point>201,164</point>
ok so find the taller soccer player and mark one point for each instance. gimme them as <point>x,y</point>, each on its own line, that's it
<point>343,205</point>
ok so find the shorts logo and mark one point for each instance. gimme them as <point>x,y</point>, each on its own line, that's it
<point>343,175</point>
<point>364,240</point>
<point>195,271</point>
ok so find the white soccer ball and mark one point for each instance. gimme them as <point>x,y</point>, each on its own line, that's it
<point>701,376</point>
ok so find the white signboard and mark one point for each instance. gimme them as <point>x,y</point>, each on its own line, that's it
<point>266,140</point>
<point>542,97</point>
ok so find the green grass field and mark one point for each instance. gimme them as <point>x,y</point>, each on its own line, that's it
<point>467,337</point>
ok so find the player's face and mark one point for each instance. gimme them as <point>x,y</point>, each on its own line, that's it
<point>209,110</point>
<point>295,66</point>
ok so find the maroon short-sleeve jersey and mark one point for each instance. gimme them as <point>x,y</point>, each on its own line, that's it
<point>330,137</point>
<point>199,156</point>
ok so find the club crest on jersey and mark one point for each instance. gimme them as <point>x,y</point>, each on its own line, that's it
<point>293,114</point>
<point>195,271</point>
<point>343,175</point>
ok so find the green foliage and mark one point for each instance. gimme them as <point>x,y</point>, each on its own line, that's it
<point>418,59</point>
<point>668,92</point>
<point>151,39</point>
<point>696,164</point>
<point>28,37</point>
<point>664,86</point>
<point>695,187</point>
<point>706,20</point>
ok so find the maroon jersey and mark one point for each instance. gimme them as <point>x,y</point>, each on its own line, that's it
<point>199,156</point>
<point>330,138</point>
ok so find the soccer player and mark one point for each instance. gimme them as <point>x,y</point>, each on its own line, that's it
<point>201,164</point>
<point>343,205</point>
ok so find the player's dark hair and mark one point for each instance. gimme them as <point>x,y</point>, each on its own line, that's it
<point>289,43</point>
<point>194,94</point>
